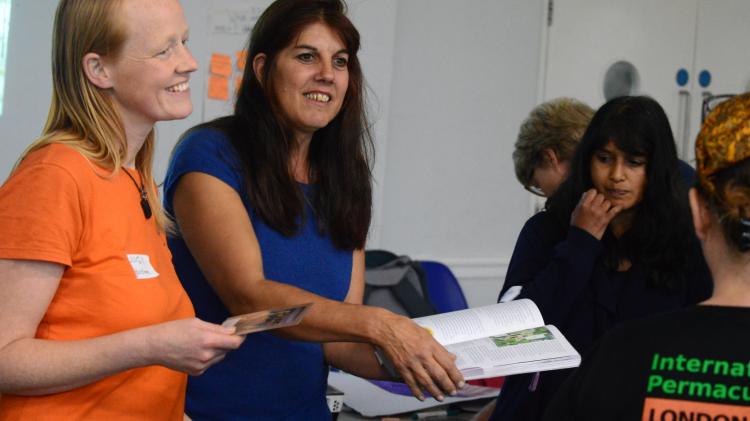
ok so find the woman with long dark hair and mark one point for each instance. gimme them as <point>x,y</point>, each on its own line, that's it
<point>691,363</point>
<point>614,242</point>
<point>273,207</point>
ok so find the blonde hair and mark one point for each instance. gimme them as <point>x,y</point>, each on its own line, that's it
<point>558,125</point>
<point>81,115</point>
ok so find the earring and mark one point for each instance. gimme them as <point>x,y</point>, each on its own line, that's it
<point>744,235</point>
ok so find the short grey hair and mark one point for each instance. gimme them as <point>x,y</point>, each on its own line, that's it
<point>558,125</point>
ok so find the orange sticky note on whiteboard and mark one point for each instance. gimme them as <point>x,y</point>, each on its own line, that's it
<point>241,59</point>
<point>221,65</point>
<point>218,88</point>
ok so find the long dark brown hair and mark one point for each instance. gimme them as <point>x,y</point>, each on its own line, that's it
<point>339,155</point>
<point>660,235</point>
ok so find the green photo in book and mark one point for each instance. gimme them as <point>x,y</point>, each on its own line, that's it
<point>524,337</point>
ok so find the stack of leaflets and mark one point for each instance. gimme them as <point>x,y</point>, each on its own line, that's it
<point>259,321</point>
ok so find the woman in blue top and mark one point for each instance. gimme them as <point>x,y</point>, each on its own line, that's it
<point>273,207</point>
<point>614,242</point>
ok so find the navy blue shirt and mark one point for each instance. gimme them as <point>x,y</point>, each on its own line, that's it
<point>268,377</point>
<point>561,269</point>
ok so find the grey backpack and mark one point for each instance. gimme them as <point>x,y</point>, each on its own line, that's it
<point>396,283</point>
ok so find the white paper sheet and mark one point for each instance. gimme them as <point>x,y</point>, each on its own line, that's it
<point>373,401</point>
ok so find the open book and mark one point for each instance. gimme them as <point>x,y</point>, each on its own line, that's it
<point>501,339</point>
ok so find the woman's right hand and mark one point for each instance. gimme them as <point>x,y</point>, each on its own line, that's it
<point>190,345</point>
<point>594,213</point>
<point>420,360</point>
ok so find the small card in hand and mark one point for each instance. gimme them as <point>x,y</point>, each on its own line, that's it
<point>267,319</point>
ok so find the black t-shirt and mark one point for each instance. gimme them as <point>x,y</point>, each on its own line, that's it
<point>692,364</point>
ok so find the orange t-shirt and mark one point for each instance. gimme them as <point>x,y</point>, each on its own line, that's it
<point>59,207</point>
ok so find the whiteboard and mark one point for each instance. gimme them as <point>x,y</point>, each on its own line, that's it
<point>228,30</point>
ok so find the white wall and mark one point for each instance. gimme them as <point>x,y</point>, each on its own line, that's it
<point>465,76</point>
<point>27,78</point>
<point>450,83</point>
<point>376,21</point>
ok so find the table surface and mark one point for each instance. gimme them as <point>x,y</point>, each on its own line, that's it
<point>349,414</point>
<point>353,416</point>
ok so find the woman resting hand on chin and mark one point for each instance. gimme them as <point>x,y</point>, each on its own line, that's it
<point>690,363</point>
<point>614,242</point>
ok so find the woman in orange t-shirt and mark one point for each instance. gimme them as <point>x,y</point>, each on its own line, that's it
<point>95,322</point>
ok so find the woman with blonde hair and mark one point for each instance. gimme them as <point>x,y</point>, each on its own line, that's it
<point>95,322</point>
<point>692,363</point>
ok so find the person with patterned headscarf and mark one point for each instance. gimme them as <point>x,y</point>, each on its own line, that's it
<point>693,363</point>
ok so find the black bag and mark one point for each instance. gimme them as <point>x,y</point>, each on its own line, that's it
<point>396,283</point>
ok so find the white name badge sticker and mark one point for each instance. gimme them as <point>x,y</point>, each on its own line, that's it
<point>142,266</point>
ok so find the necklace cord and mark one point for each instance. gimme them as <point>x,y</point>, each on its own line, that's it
<point>142,192</point>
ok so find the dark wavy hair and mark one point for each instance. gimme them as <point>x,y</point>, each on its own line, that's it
<point>730,201</point>
<point>340,154</point>
<point>661,230</point>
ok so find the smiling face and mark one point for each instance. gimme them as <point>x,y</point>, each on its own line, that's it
<point>149,78</point>
<point>620,177</point>
<point>310,79</point>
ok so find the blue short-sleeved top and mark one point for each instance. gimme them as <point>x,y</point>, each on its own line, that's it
<point>269,377</point>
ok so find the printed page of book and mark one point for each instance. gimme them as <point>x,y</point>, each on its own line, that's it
<point>535,349</point>
<point>480,322</point>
